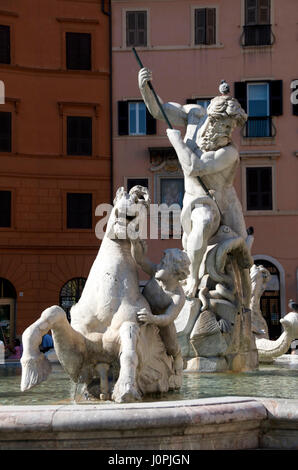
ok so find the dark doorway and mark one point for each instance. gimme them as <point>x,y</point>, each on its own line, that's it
<point>270,300</point>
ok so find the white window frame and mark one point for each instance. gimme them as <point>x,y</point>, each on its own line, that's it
<point>137,103</point>
<point>268,95</point>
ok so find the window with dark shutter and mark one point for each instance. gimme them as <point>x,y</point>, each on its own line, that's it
<point>240,93</point>
<point>123,117</point>
<point>150,123</point>
<point>257,29</point>
<point>79,135</point>
<point>78,51</point>
<point>4,44</point>
<point>261,101</point>
<point>79,210</point>
<point>276,101</point>
<point>5,131</point>
<point>205,26</point>
<point>5,208</point>
<point>259,188</point>
<point>136,28</point>
<point>257,12</point>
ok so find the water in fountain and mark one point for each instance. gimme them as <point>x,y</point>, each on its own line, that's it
<point>278,380</point>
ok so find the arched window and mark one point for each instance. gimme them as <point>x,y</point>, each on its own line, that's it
<point>70,293</point>
<point>270,300</point>
<point>7,310</point>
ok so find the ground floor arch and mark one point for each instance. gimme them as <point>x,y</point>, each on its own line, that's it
<point>70,293</point>
<point>272,302</point>
<point>8,305</point>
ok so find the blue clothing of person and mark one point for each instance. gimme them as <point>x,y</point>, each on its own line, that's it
<point>47,341</point>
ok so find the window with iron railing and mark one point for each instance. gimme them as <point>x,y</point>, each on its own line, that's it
<point>261,101</point>
<point>257,30</point>
<point>257,35</point>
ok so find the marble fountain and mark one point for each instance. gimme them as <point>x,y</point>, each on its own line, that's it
<point>186,364</point>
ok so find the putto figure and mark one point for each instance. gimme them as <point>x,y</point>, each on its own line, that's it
<point>164,294</point>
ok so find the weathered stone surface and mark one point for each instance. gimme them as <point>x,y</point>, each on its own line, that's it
<point>223,423</point>
<point>116,331</point>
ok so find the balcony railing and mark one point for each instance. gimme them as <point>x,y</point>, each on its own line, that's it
<point>257,35</point>
<point>259,127</point>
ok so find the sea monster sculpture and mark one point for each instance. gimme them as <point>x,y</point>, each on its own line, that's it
<point>260,277</point>
<point>216,334</point>
<point>104,328</point>
<point>269,350</point>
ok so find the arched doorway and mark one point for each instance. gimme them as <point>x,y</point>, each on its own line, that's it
<point>71,293</point>
<point>270,302</point>
<point>8,297</point>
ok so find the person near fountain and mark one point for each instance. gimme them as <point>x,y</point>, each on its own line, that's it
<point>47,343</point>
<point>14,350</point>
<point>164,294</point>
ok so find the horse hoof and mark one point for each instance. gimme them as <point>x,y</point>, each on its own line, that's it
<point>126,394</point>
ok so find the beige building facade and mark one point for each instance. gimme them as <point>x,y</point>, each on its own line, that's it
<point>191,46</point>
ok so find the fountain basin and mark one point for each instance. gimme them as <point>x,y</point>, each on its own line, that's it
<point>211,423</point>
<point>205,424</point>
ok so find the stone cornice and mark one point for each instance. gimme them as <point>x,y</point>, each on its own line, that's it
<point>270,154</point>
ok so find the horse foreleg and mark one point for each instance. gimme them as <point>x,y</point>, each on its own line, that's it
<point>126,389</point>
<point>35,365</point>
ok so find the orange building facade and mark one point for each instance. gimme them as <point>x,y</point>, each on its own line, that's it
<point>191,46</point>
<point>55,151</point>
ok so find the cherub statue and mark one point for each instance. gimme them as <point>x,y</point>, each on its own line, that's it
<point>164,295</point>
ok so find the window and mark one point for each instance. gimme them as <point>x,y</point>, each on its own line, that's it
<point>259,188</point>
<point>79,135</point>
<point>261,101</point>
<point>136,28</point>
<point>205,26</point>
<point>204,102</point>
<point>135,119</point>
<point>70,294</point>
<point>171,191</point>
<point>79,210</point>
<point>258,124</point>
<point>7,310</point>
<point>257,29</point>
<point>5,131</point>
<point>4,44</point>
<point>5,205</point>
<point>78,51</point>
<point>131,182</point>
